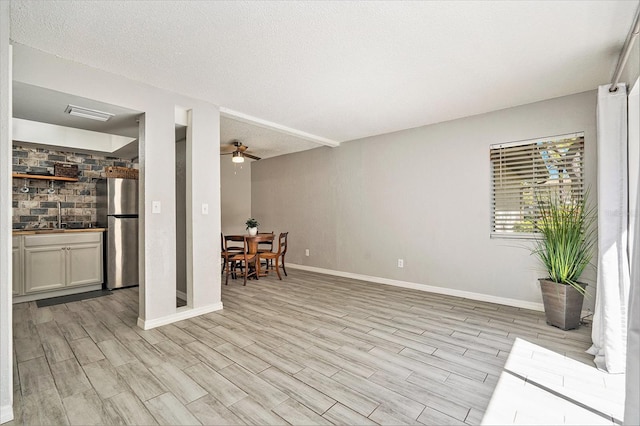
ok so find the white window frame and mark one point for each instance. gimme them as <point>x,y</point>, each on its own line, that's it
<point>531,184</point>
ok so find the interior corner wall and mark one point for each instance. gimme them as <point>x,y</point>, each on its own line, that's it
<point>235,195</point>
<point>157,177</point>
<point>421,195</point>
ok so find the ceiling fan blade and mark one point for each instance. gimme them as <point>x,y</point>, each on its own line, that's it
<point>226,153</point>
<point>253,157</point>
<point>227,149</point>
<point>242,148</point>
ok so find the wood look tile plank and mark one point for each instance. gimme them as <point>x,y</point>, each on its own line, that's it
<point>392,400</point>
<point>336,390</point>
<point>176,355</point>
<point>210,411</point>
<point>259,390</point>
<point>27,349</point>
<point>70,378</point>
<point>340,415</point>
<point>176,334</point>
<point>242,358</point>
<point>86,351</point>
<point>300,391</point>
<point>116,352</point>
<point>204,336</point>
<point>251,412</point>
<point>86,408</point>
<point>303,357</point>
<point>144,384</point>
<point>297,414</point>
<point>232,336</point>
<point>428,397</point>
<point>146,353</point>
<point>130,409</point>
<point>208,355</point>
<point>273,359</point>
<point>104,378</point>
<point>98,332</point>
<point>434,417</point>
<point>169,411</point>
<point>42,408</point>
<point>386,415</point>
<point>35,376</point>
<point>217,385</point>
<point>72,330</point>
<point>150,336</point>
<point>176,381</point>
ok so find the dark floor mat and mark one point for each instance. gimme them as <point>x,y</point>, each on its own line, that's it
<point>71,298</point>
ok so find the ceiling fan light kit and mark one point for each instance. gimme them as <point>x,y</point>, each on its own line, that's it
<point>237,157</point>
<point>238,152</point>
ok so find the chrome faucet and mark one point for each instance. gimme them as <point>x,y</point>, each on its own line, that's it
<point>59,216</point>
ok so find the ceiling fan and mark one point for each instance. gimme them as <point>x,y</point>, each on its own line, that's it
<point>238,152</point>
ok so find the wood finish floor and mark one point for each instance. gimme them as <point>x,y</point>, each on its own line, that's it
<point>311,349</point>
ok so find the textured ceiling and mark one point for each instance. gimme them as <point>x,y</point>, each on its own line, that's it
<point>341,70</point>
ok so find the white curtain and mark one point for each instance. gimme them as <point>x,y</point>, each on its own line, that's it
<point>609,332</point>
<point>632,404</point>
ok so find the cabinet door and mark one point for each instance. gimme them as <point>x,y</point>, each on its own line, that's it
<point>84,264</point>
<point>44,268</point>
<point>16,272</point>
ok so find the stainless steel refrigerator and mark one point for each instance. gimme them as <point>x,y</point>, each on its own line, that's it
<point>117,210</point>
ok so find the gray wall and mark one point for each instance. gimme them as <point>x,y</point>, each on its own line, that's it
<point>235,195</point>
<point>421,195</point>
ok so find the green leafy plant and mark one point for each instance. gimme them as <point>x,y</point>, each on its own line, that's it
<point>252,223</point>
<point>567,238</point>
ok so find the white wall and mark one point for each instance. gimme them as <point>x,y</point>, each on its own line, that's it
<point>421,195</point>
<point>6,342</point>
<point>157,162</point>
<point>235,195</point>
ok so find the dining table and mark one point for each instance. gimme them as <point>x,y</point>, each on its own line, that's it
<point>253,241</point>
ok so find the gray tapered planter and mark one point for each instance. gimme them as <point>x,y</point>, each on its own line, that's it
<point>562,304</point>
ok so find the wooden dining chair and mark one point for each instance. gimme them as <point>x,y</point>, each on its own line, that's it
<point>266,246</point>
<point>277,256</point>
<point>240,263</point>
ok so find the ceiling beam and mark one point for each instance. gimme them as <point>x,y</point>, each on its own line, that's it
<point>245,118</point>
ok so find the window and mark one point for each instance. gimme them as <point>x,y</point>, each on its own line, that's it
<point>522,171</point>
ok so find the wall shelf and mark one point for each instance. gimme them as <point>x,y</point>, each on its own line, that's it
<point>43,177</point>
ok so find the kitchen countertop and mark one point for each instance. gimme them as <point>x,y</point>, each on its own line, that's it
<point>55,231</point>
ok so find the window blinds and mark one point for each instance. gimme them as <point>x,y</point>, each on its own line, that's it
<point>523,171</point>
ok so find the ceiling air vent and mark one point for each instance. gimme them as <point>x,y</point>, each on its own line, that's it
<point>88,113</point>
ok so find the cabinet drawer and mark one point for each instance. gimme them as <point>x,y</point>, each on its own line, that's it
<point>61,239</point>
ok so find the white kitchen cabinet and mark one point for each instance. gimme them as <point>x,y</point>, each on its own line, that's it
<point>17,265</point>
<point>62,260</point>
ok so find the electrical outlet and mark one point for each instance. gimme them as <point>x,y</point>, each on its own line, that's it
<point>306,252</point>
<point>400,263</point>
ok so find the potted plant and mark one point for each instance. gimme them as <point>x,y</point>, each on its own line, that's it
<point>567,238</point>
<point>252,226</point>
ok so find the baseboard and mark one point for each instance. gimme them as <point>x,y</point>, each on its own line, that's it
<point>6,413</point>
<point>181,295</point>
<point>182,314</point>
<point>534,306</point>
<point>55,293</point>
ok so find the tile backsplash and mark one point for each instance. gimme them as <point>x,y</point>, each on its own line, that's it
<point>39,209</point>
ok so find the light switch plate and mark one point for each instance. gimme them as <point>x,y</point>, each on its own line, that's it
<point>155,207</point>
<point>205,208</point>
